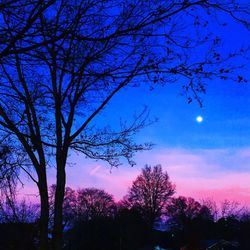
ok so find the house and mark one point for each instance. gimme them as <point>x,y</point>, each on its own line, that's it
<point>221,245</point>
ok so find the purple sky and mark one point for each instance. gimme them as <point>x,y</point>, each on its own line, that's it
<point>200,173</point>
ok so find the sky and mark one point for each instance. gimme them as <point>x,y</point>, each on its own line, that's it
<point>204,160</point>
<point>210,159</point>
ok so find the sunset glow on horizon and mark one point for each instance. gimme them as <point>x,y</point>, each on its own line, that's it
<point>201,174</point>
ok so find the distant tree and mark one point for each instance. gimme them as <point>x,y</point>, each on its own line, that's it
<point>182,210</point>
<point>18,222</point>
<point>69,206</point>
<point>229,223</point>
<point>192,220</point>
<point>231,209</point>
<point>94,203</point>
<point>62,62</point>
<point>83,205</point>
<point>18,211</point>
<point>14,210</point>
<point>150,192</point>
<point>212,207</point>
<point>94,221</point>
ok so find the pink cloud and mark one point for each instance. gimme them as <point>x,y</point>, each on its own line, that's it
<point>216,173</point>
<point>94,170</point>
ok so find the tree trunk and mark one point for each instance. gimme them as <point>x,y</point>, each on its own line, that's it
<point>44,214</point>
<point>58,208</point>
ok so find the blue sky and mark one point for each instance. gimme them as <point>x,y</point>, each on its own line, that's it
<point>205,160</point>
<point>226,115</point>
<point>208,159</point>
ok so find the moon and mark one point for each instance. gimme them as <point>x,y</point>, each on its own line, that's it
<point>199,119</point>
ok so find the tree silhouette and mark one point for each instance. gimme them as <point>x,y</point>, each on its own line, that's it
<point>91,214</point>
<point>69,206</point>
<point>18,222</point>
<point>150,193</point>
<point>182,210</point>
<point>231,209</point>
<point>83,205</point>
<point>14,211</point>
<point>61,62</point>
<point>191,220</point>
<point>94,203</point>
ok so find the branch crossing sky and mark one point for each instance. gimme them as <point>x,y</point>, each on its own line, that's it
<point>206,151</point>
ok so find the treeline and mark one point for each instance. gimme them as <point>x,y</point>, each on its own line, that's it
<point>148,215</point>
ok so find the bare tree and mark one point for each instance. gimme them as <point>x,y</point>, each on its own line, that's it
<point>13,210</point>
<point>83,205</point>
<point>182,210</point>
<point>94,203</point>
<point>225,209</point>
<point>231,209</point>
<point>61,62</point>
<point>212,206</point>
<point>150,193</point>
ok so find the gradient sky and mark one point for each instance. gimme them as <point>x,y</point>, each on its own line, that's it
<point>205,160</point>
